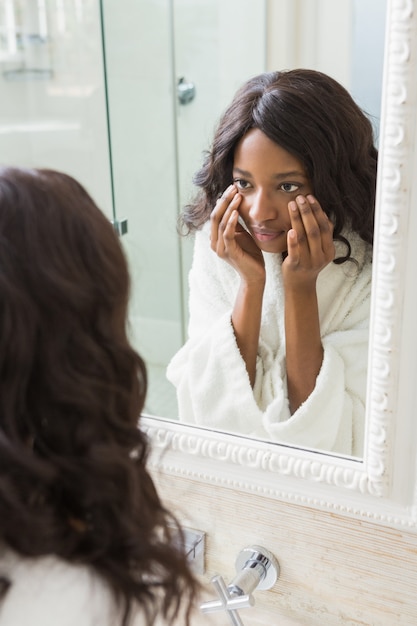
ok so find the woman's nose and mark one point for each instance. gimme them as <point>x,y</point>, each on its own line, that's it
<point>262,207</point>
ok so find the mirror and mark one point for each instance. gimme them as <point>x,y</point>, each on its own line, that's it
<point>64,89</point>
<point>382,486</point>
<point>162,116</point>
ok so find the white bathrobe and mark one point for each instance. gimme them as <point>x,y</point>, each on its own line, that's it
<point>213,388</point>
<point>48,591</point>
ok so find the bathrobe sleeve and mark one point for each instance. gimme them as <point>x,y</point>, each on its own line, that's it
<point>213,387</point>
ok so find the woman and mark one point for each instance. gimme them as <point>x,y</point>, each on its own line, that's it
<point>280,283</point>
<point>84,538</point>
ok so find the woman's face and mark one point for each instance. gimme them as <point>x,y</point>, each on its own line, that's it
<point>268,178</point>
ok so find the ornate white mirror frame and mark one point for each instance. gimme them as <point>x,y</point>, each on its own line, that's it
<point>382,486</point>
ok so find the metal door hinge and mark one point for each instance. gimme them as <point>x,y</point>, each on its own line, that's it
<point>120,226</point>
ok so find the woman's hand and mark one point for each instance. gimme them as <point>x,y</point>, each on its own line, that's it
<point>310,249</point>
<point>310,243</point>
<point>231,242</point>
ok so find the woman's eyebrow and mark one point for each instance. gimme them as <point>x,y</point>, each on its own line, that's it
<point>279,176</point>
<point>237,170</point>
<point>289,174</point>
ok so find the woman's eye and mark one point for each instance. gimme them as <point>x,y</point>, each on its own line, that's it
<point>241,184</point>
<point>289,187</point>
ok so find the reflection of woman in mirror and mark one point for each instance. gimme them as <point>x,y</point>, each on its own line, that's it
<point>280,283</point>
<point>84,538</point>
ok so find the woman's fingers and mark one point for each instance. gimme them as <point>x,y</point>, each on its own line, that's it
<point>325,227</point>
<point>231,241</point>
<point>220,217</point>
<point>311,242</point>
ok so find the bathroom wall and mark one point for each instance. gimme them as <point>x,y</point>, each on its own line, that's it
<point>344,39</point>
<point>368,39</point>
<point>311,33</point>
<point>335,570</point>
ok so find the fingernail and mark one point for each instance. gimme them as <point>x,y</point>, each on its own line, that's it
<point>311,198</point>
<point>300,199</point>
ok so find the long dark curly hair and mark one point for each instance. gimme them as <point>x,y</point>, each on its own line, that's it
<point>73,477</point>
<point>313,117</point>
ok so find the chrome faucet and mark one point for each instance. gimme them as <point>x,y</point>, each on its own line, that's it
<point>256,568</point>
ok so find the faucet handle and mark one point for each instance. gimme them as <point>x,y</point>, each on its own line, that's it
<point>257,568</point>
<point>228,601</point>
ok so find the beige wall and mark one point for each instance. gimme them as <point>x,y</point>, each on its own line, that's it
<point>335,570</point>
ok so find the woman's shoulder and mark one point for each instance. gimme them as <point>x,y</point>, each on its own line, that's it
<point>47,591</point>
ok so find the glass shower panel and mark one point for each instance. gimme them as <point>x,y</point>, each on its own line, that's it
<point>52,105</point>
<point>159,128</point>
<point>139,61</point>
<point>218,45</point>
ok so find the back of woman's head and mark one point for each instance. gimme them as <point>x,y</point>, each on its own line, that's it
<point>64,290</point>
<point>314,118</point>
<point>73,480</point>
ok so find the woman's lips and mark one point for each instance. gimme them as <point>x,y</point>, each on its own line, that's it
<point>267,235</point>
